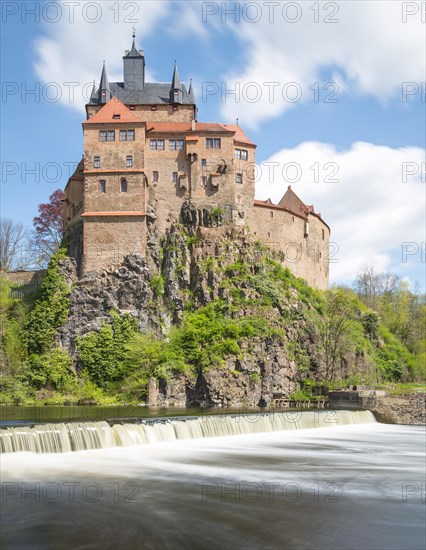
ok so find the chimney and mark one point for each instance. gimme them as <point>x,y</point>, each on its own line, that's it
<point>193,125</point>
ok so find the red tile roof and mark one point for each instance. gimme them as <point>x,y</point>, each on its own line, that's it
<point>239,134</point>
<point>183,127</point>
<point>114,107</point>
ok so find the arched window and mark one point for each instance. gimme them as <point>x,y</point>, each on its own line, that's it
<point>123,186</point>
<point>102,186</point>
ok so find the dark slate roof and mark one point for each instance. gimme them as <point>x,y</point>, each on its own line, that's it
<point>134,52</point>
<point>154,93</point>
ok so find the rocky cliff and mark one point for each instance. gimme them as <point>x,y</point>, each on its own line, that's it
<point>190,268</point>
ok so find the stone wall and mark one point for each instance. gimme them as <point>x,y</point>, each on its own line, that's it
<point>305,248</point>
<point>23,277</point>
<point>408,409</point>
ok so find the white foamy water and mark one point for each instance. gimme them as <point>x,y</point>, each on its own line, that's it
<point>349,487</point>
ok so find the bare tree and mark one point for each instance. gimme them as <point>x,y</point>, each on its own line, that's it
<point>13,246</point>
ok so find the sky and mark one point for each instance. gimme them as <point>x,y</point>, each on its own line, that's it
<point>333,93</point>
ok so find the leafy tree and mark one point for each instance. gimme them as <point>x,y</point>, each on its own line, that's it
<point>103,353</point>
<point>50,311</point>
<point>336,330</point>
<point>48,226</point>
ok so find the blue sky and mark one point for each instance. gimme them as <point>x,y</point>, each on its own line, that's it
<point>366,54</point>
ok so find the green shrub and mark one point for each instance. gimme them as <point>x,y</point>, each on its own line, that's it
<point>50,311</point>
<point>103,353</point>
<point>54,369</point>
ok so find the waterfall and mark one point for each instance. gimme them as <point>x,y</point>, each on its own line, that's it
<point>80,436</point>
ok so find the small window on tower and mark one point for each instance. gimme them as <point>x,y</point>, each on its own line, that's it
<point>102,186</point>
<point>204,181</point>
<point>123,135</point>
<point>209,143</point>
<point>238,178</point>
<point>160,145</point>
<point>155,176</point>
<point>123,186</point>
<point>132,107</point>
<point>180,144</point>
<point>111,135</point>
<point>174,177</point>
<point>97,162</point>
<point>153,108</point>
<point>217,143</point>
<point>272,214</point>
<point>237,153</point>
<point>172,145</point>
<point>323,234</point>
<point>130,135</point>
<point>244,154</point>
<point>129,161</point>
<point>102,135</point>
<point>204,163</point>
<point>153,144</point>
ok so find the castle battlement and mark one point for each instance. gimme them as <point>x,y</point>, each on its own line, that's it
<point>146,155</point>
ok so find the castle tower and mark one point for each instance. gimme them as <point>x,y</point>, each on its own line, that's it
<point>104,93</point>
<point>134,69</point>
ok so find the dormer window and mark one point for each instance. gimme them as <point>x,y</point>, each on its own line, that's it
<point>116,117</point>
<point>132,107</point>
<point>154,108</point>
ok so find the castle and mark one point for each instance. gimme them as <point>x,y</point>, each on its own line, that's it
<point>146,155</point>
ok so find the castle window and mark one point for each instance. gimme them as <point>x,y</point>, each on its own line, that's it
<point>102,135</point>
<point>204,181</point>
<point>132,107</point>
<point>179,144</point>
<point>213,143</point>
<point>123,135</point>
<point>154,108</point>
<point>172,145</point>
<point>155,176</point>
<point>129,161</point>
<point>238,178</point>
<point>111,135</point>
<point>97,162</point>
<point>116,117</point>
<point>123,186</point>
<point>102,186</point>
<point>174,177</point>
<point>237,153</point>
<point>272,214</point>
<point>323,234</point>
<point>153,144</point>
<point>130,135</point>
<point>244,154</point>
<point>204,163</point>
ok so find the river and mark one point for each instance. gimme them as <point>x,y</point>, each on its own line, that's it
<point>345,486</point>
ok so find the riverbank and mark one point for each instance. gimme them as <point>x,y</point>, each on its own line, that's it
<point>409,409</point>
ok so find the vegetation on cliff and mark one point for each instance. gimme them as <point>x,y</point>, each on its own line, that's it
<point>215,306</point>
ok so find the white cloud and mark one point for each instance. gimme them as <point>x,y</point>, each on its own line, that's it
<point>72,51</point>
<point>371,210</point>
<point>370,51</point>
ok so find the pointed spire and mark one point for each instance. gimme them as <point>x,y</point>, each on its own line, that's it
<point>94,94</point>
<point>134,52</point>
<point>176,85</point>
<point>176,90</point>
<point>191,93</point>
<point>104,89</point>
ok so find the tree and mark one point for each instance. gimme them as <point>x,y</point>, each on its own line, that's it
<point>13,238</point>
<point>49,226</point>
<point>335,330</point>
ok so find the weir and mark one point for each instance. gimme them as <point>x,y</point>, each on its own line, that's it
<point>80,436</point>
